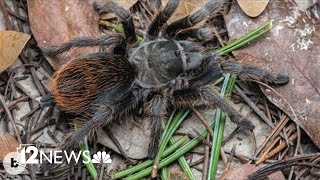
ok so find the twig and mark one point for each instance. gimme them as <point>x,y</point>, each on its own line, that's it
<point>231,156</point>
<point>267,153</point>
<point>223,156</point>
<point>6,18</point>
<point>15,102</point>
<point>218,36</point>
<point>266,107</point>
<point>26,59</point>
<point>203,120</point>
<point>245,159</point>
<point>256,109</point>
<point>279,148</point>
<point>206,158</point>
<point>103,167</point>
<point>10,118</point>
<point>17,11</point>
<point>41,126</point>
<point>230,135</point>
<point>203,139</point>
<point>18,16</point>
<point>273,134</point>
<point>25,91</point>
<point>199,161</point>
<point>30,113</point>
<point>271,89</point>
<point>253,106</point>
<point>116,142</point>
<point>296,150</point>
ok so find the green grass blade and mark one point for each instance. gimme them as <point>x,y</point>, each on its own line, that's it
<point>182,161</point>
<point>168,160</point>
<point>220,118</point>
<point>185,166</point>
<point>148,163</point>
<point>90,167</point>
<point>177,120</point>
<point>235,44</point>
<point>164,173</point>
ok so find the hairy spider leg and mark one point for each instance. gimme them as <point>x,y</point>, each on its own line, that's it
<point>105,40</point>
<point>103,116</point>
<point>124,17</point>
<point>211,72</point>
<point>99,118</point>
<point>185,97</point>
<point>255,73</point>
<point>191,20</point>
<point>215,69</point>
<point>200,34</point>
<point>47,101</point>
<point>161,18</point>
<point>157,112</point>
<point>216,65</point>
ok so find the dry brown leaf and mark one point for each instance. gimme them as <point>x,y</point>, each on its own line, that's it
<point>243,171</point>
<point>185,8</point>
<point>253,8</point>
<point>292,48</point>
<point>133,139</point>
<point>55,22</point>
<point>7,144</point>
<point>11,45</point>
<point>126,4</point>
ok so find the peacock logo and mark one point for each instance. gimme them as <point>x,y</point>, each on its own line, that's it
<point>101,157</point>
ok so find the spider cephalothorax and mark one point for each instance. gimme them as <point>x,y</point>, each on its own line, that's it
<point>161,72</point>
<point>160,62</point>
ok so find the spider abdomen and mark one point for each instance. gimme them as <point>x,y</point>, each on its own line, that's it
<point>80,82</point>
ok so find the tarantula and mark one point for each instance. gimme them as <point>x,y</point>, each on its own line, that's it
<point>166,70</point>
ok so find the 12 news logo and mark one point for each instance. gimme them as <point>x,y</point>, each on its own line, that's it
<point>15,162</point>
